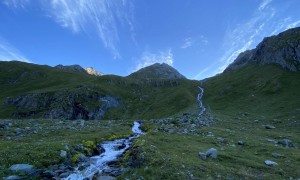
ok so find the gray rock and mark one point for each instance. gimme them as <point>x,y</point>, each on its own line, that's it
<point>270,163</point>
<point>63,154</point>
<point>286,143</point>
<point>202,156</point>
<point>269,127</point>
<point>21,168</point>
<point>106,178</point>
<point>13,177</point>
<point>212,152</point>
<point>277,155</point>
<point>240,143</point>
<point>64,175</point>
<point>18,131</point>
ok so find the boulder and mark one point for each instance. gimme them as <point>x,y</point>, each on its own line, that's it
<point>21,168</point>
<point>63,154</point>
<point>286,143</point>
<point>270,163</point>
<point>212,152</point>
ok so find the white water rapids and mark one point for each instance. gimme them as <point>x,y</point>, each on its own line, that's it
<point>199,98</point>
<point>113,150</point>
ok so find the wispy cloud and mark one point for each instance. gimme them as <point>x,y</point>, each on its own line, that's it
<point>242,37</point>
<point>189,41</point>
<point>9,52</point>
<point>15,4</point>
<point>104,18</point>
<point>100,16</point>
<point>149,58</point>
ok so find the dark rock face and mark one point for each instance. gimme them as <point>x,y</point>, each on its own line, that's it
<point>283,49</point>
<point>75,68</point>
<point>79,104</point>
<point>162,71</point>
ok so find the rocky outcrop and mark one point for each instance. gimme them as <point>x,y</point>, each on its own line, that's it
<point>80,103</point>
<point>283,49</point>
<point>92,71</point>
<point>157,70</point>
<point>75,68</point>
<point>78,68</point>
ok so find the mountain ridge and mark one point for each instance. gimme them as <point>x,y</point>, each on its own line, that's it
<point>282,49</point>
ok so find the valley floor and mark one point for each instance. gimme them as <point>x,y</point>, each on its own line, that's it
<point>170,148</point>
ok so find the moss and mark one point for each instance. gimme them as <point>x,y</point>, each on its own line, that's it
<point>75,158</point>
<point>90,146</point>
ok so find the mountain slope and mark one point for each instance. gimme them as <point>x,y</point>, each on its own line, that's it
<point>157,71</point>
<point>29,90</point>
<point>283,49</point>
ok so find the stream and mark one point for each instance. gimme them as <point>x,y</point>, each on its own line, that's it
<point>199,98</point>
<point>113,150</point>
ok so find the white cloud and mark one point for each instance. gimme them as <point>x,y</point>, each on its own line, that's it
<point>103,17</point>
<point>8,52</point>
<point>187,43</point>
<point>149,58</point>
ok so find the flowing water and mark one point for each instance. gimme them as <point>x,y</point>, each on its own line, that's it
<point>199,98</point>
<point>113,150</point>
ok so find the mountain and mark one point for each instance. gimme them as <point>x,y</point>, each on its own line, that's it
<point>78,68</point>
<point>65,92</point>
<point>265,79</point>
<point>283,49</point>
<point>157,71</point>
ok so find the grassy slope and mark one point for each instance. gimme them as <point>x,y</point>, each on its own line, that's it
<point>242,102</point>
<point>158,101</point>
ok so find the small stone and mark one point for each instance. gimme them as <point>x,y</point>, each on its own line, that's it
<point>270,163</point>
<point>106,178</point>
<point>14,177</point>
<point>64,175</point>
<point>240,143</point>
<point>277,155</point>
<point>21,167</point>
<point>63,154</point>
<point>202,155</point>
<point>269,127</point>
<point>17,131</point>
<point>8,138</point>
<point>286,143</point>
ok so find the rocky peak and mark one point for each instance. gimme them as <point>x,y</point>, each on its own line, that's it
<point>92,71</point>
<point>157,70</point>
<point>282,49</point>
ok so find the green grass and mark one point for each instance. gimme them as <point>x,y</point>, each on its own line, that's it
<point>140,99</point>
<point>42,149</point>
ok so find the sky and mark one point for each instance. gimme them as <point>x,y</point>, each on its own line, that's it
<point>199,38</point>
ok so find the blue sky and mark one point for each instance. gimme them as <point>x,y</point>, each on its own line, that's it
<point>197,37</point>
